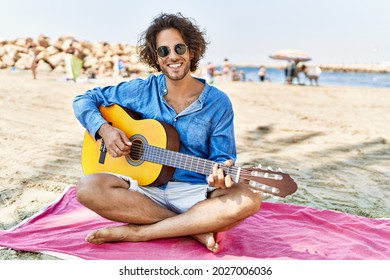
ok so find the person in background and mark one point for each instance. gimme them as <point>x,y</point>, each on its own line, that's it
<point>235,75</point>
<point>242,76</point>
<point>32,56</point>
<point>312,73</point>
<point>226,69</point>
<point>291,72</point>
<point>190,204</point>
<point>73,62</point>
<point>261,73</point>
<point>210,68</point>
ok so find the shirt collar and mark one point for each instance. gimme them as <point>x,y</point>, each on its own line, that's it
<point>163,90</point>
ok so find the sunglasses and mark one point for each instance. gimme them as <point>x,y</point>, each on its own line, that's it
<point>164,51</point>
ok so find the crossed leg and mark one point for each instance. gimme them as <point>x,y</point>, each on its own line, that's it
<point>147,221</point>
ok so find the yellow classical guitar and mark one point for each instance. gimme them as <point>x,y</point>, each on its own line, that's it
<point>154,156</point>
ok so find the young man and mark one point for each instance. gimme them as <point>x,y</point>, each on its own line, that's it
<point>190,204</point>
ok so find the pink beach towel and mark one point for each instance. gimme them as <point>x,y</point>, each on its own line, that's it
<point>277,231</point>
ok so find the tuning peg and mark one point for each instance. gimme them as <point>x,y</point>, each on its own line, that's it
<point>269,168</point>
<point>280,169</point>
<point>278,177</point>
<point>259,166</point>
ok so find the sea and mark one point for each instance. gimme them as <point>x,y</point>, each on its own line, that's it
<point>373,80</point>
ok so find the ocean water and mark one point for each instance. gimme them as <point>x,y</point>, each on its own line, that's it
<point>375,80</point>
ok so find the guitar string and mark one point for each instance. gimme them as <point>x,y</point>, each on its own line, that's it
<point>156,152</point>
<point>153,152</point>
<point>175,158</point>
<point>188,162</point>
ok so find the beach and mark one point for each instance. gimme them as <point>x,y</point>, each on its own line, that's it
<point>333,141</point>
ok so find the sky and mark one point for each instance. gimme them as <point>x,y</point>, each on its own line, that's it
<point>244,31</point>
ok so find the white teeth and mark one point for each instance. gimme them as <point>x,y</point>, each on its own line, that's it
<point>175,65</point>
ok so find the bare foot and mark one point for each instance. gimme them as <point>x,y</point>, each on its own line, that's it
<point>208,240</point>
<point>130,233</point>
<point>114,234</point>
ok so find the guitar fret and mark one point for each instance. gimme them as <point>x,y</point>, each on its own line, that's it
<point>186,162</point>
<point>177,160</point>
<point>192,161</point>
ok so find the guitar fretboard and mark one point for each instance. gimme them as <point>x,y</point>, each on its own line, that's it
<point>183,161</point>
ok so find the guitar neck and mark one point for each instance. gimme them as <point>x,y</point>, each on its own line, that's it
<point>186,162</point>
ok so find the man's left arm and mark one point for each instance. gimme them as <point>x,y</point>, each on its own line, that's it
<point>222,150</point>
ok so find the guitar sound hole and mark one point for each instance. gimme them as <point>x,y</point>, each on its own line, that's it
<point>136,150</point>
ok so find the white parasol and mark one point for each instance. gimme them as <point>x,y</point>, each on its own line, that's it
<point>290,54</point>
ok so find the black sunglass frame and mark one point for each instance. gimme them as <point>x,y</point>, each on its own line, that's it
<point>164,51</point>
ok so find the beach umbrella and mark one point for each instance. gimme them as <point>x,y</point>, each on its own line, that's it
<point>290,54</point>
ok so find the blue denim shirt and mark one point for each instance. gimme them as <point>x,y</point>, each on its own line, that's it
<point>205,128</point>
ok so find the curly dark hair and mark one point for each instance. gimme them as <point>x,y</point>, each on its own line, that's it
<point>192,35</point>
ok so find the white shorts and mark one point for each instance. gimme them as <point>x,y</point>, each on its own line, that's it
<point>177,196</point>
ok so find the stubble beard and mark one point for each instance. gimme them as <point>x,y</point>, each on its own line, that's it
<point>176,76</point>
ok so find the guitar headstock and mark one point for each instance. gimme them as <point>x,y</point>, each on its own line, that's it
<point>267,180</point>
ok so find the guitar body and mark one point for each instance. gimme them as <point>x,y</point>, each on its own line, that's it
<point>145,131</point>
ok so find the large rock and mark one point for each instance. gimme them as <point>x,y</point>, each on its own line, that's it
<point>24,62</point>
<point>101,57</point>
<point>56,59</point>
<point>7,60</point>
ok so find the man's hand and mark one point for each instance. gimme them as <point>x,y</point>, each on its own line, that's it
<point>117,144</point>
<point>218,179</point>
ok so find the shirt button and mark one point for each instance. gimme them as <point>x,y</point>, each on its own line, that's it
<point>174,119</point>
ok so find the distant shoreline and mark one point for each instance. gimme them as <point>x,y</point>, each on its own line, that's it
<point>355,68</point>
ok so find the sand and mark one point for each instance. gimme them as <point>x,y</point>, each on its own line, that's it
<point>334,141</point>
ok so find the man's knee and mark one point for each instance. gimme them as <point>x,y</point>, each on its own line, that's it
<point>84,188</point>
<point>248,202</point>
<point>253,201</point>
